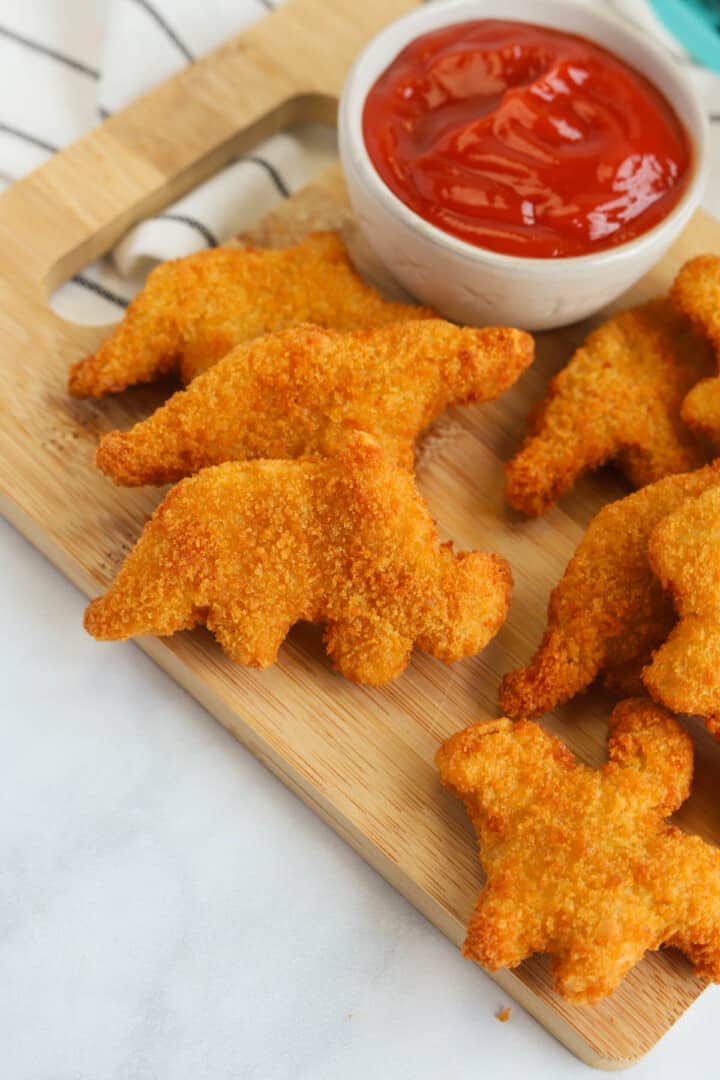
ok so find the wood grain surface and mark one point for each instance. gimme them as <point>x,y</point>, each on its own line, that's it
<point>361,757</point>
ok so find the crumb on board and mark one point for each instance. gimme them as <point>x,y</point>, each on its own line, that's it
<point>503,1015</point>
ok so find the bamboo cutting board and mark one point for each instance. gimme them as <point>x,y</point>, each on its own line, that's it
<point>361,757</point>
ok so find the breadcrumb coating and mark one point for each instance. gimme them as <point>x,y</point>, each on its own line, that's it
<point>250,548</point>
<point>579,861</point>
<point>288,393</point>
<point>618,399</point>
<point>193,311</point>
<point>684,552</point>
<point>696,292</point>
<point>609,611</point>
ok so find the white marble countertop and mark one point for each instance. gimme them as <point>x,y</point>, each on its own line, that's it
<point>169,911</point>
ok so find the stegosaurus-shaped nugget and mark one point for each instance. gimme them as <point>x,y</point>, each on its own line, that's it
<point>579,861</point>
<point>250,548</point>
<point>285,394</point>
<point>193,311</point>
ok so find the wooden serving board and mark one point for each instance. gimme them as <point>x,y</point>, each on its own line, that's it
<point>361,757</point>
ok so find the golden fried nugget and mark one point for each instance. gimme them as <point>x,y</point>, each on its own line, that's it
<point>609,611</point>
<point>696,292</point>
<point>579,861</point>
<point>618,398</point>
<point>684,552</point>
<point>193,311</point>
<point>250,548</point>
<point>288,393</point>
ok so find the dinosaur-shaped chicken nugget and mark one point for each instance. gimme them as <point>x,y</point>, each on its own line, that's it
<point>618,398</point>
<point>287,393</point>
<point>609,611</point>
<point>250,548</point>
<point>193,311</point>
<point>579,861</point>
<point>685,554</point>
<point>696,292</point>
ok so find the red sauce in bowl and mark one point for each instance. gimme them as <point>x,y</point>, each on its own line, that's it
<point>525,140</point>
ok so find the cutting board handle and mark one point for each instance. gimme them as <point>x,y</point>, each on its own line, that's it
<point>78,204</point>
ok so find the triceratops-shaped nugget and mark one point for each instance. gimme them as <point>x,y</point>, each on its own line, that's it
<point>250,548</point>
<point>579,861</point>
<point>193,311</point>
<point>286,394</point>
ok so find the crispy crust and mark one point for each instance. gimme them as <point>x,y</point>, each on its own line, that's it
<point>696,292</point>
<point>193,311</point>
<point>579,862</point>
<point>609,611</point>
<point>618,398</point>
<point>292,392</point>
<point>248,549</point>
<point>684,552</point>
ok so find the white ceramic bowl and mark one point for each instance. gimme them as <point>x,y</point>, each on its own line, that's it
<point>473,285</point>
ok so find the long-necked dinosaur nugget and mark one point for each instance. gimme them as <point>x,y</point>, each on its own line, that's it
<point>609,611</point>
<point>288,393</point>
<point>619,399</point>
<point>193,311</point>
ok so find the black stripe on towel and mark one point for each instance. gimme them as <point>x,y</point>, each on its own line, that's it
<point>8,129</point>
<point>100,290</point>
<point>166,28</point>
<point>45,50</point>
<point>208,236</point>
<point>271,171</point>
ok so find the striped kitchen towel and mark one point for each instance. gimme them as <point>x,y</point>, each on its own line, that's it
<point>66,64</point>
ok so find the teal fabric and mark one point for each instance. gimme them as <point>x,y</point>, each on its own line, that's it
<point>695,23</point>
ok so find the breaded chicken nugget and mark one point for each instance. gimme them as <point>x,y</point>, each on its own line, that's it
<point>579,861</point>
<point>696,292</point>
<point>193,311</point>
<point>250,548</point>
<point>618,398</point>
<point>609,611</point>
<point>288,393</point>
<point>684,552</point>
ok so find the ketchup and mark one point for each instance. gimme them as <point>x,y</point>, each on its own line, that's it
<point>525,140</point>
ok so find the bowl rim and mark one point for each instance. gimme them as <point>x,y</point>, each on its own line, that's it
<point>428,17</point>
